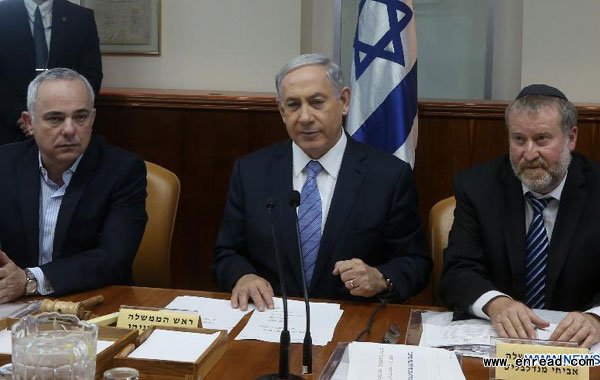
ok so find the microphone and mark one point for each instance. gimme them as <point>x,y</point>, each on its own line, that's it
<point>307,345</point>
<point>284,339</point>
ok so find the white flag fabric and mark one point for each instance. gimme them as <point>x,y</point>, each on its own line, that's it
<point>383,108</point>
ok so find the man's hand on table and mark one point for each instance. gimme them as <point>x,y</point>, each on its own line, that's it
<point>12,279</point>
<point>512,319</point>
<point>583,328</point>
<point>251,286</point>
<point>360,278</point>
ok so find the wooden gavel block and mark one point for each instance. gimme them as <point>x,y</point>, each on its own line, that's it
<point>74,308</point>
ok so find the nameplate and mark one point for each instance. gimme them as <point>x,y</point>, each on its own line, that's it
<point>534,361</point>
<point>141,318</point>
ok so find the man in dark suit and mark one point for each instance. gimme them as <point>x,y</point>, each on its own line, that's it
<point>72,207</point>
<point>69,33</point>
<point>525,232</point>
<point>360,232</point>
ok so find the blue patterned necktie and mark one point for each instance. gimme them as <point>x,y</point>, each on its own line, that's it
<point>537,253</point>
<point>39,38</point>
<point>309,219</point>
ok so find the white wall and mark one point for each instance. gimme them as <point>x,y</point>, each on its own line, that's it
<point>317,27</point>
<point>227,45</point>
<point>561,46</point>
<point>506,66</point>
<point>238,45</point>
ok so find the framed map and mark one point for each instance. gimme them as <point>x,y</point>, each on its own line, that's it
<point>127,26</point>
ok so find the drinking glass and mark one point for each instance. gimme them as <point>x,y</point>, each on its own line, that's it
<point>54,346</point>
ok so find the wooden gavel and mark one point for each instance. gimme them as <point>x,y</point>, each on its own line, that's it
<point>74,308</point>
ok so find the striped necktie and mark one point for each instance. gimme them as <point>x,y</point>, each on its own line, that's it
<point>537,254</point>
<point>309,219</point>
<point>39,39</point>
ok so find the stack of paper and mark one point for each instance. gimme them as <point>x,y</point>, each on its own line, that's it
<point>399,362</point>
<point>214,313</point>
<point>267,325</point>
<point>179,346</point>
<point>472,336</point>
<point>439,330</point>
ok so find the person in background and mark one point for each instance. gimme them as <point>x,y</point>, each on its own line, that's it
<point>36,35</point>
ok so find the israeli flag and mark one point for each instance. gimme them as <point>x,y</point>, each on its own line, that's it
<point>383,108</point>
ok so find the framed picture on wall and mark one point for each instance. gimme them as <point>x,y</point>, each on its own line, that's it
<point>127,27</point>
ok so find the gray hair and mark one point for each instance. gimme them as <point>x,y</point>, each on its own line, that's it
<point>58,73</point>
<point>333,71</point>
<point>533,103</point>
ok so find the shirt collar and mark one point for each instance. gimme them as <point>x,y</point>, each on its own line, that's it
<point>45,8</point>
<point>331,161</point>
<point>554,194</point>
<point>67,175</point>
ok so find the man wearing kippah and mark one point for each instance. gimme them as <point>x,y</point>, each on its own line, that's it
<point>526,232</point>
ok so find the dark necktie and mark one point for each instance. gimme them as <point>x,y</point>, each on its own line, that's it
<point>309,219</point>
<point>537,254</point>
<point>39,38</point>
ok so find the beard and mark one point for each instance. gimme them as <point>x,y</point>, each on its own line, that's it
<point>539,175</point>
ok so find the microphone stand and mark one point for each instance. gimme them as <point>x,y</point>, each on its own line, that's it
<point>307,345</point>
<point>284,339</point>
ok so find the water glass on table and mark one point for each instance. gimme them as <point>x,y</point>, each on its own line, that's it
<point>54,346</point>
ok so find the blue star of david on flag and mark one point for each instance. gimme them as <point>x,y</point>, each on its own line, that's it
<point>383,106</point>
<point>389,45</point>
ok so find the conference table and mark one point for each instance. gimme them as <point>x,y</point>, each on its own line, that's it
<point>247,359</point>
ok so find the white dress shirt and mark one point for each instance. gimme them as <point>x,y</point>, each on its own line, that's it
<point>51,196</point>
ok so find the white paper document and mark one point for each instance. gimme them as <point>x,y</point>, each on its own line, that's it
<point>5,342</point>
<point>440,330</point>
<point>19,309</point>
<point>214,313</point>
<point>102,345</point>
<point>267,325</point>
<point>400,362</point>
<point>475,334</point>
<point>178,346</point>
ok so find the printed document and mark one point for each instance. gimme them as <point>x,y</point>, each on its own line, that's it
<point>401,362</point>
<point>267,325</point>
<point>472,337</point>
<point>214,313</point>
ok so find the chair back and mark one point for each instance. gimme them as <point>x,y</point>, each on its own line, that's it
<point>151,266</point>
<point>440,223</point>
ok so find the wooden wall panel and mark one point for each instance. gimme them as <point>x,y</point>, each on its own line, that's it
<point>199,135</point>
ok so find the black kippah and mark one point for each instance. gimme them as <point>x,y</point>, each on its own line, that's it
<point>541,89</point>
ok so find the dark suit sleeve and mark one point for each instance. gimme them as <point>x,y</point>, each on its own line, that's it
<point>90,60</point>
<point>408,263</point>
<point>117,242</point>
<point>230,256</point>
<point>464,277</point>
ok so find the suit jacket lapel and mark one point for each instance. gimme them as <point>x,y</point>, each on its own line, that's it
<point>350,179</point>
<point>29,190</point>
<point>514,229</point>
<point>573,197</point>
<point>75,190</point>
<point>59,24</point>
<point>285,217</point>
<point>22,31</point>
